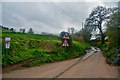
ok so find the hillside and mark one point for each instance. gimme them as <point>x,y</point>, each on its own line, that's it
<point>34,49</point>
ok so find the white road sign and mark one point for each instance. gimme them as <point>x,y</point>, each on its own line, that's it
<point>65,44</point>
<point>66,36</point>
<point>7,42</point>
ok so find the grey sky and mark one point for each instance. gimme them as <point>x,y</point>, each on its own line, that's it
<point>52,17</point>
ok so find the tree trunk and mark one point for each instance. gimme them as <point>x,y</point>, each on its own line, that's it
<point>102,36</point>
<point>102,39</point>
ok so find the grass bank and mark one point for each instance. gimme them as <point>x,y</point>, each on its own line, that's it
<point>109,53</point>
<point>38,49</point>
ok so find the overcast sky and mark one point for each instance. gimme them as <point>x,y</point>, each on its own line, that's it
<point>52,17</point>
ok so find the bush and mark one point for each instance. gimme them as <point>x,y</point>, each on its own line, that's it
<point>113,31</point>
<point>110,52</point>
<point>77,38</point>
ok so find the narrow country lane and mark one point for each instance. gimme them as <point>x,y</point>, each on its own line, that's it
<point>49,70</point>
<point>92,67</point>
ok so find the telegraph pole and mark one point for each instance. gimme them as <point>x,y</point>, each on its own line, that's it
<point>82,25</point>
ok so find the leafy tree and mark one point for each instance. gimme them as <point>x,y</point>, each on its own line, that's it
<point>31,31</point>
<point>12,29</point>
<point>6,28</point>
<point>97,17</point>
<point>85,34</point>
<point>113,30</point>
<point>22,30</point>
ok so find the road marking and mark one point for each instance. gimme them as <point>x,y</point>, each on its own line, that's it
<point>69,68</point>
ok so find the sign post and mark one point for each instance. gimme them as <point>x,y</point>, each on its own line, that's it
<point>65,37</point>
<point>65,44</point>
<point>7,43</point>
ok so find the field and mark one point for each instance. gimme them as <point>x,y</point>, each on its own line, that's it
<point>35,49</point>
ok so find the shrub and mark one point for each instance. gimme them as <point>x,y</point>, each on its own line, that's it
<point>77,38</point>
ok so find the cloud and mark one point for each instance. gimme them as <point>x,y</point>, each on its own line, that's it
<point>60,0</point>
<point>52,17</point>
<point>0,13</point>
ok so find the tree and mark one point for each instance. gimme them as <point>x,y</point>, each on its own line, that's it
<point>12,29</point>
<point>31,31</point>
<point>97,17</point>
<point>85,34</point>
<point>22,30</point>
<point>113,30</point>
<point>71,30</point>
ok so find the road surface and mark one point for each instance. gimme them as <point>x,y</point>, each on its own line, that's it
<point>93,67</point>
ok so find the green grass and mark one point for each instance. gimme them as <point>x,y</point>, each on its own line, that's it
<point>25,36</point>
<point>38,49</point>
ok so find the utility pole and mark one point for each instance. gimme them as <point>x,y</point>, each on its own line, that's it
<point>119,6</point>
<point>82,25</point>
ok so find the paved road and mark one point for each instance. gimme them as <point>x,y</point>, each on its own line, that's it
<point>93,67</point>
